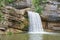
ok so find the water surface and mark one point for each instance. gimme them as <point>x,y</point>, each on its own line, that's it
<point>26,36</point>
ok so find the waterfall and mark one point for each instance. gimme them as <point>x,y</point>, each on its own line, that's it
<point>35,25</point>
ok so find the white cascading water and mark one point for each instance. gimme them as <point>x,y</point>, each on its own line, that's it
<point>35,22</point>
<point>35,26</point>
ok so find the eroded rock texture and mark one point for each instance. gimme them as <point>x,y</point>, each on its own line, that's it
<point>16,19</point>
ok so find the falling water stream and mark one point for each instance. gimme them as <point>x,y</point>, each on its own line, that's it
<point>35,23</point>
<point>35,27</point>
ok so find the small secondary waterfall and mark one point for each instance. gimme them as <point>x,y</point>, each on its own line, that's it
<point>35,22</point>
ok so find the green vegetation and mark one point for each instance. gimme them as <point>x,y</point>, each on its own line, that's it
<point>9,33</point>
<point>2,4</point>
<point>1,14</point>
<point>37,4</point>
<point>9,1</point>
<point>1,17</point>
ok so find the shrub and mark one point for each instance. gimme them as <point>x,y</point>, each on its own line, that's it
<point>37,5</point>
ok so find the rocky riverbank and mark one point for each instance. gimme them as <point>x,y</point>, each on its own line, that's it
<point>14,20</point>
<point>15,17</point>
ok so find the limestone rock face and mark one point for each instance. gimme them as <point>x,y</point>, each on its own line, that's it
<point>4,22</point>
<point>17,19</point>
